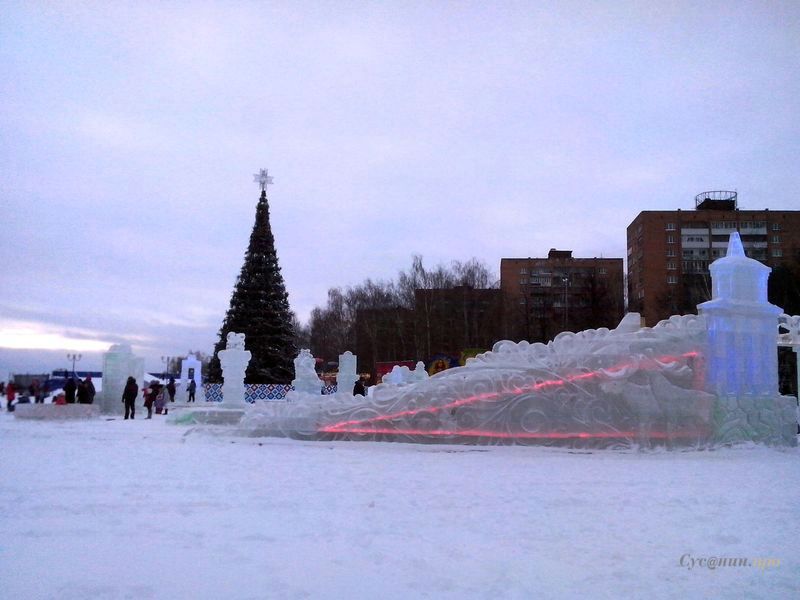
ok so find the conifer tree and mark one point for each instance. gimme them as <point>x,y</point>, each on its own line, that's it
<point>260,309</point>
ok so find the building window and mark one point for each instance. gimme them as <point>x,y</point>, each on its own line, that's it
<point>672,279</point>
<point>777,252</point>
<point>670,251</point>
<point>522,282</point>
<point>603,271</point>
<point>670,226</point>
<point>671,266</point>
<point>776,227</point>
<point>776,239</point>
<point>670,239</point>
<point>523,271</point>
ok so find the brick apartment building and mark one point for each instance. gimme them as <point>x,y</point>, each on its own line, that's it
<point>545,296</point>
<point>669,251</point>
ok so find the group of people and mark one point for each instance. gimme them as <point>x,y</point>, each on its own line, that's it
<point>155,394</point>
<point>35,391</point>
<point>83,391</point>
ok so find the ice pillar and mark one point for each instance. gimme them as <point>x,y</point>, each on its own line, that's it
<point>346,377</point>
<point>119,363</point>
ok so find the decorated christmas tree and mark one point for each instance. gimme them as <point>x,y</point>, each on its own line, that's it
<point>260,307</point>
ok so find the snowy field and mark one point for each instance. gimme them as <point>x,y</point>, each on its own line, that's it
<point>142,509</point>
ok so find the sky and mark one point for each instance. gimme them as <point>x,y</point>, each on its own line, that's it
<point>130,133</point>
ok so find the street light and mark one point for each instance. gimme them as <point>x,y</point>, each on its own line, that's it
<point>166,360</point>
<point>73,358</point>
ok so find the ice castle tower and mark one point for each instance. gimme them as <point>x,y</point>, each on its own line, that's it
<point>742,357</point>
<point>742,326</point>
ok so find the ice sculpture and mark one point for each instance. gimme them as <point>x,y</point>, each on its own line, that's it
<point>419,373</point>
<point>191,370</point>
<point>347,376</point>
<point>306,380</point>
<point>234,360</point>
<point>742,356</point>
<point>693,380</point>
<point>119,363</point>
<point>399,375</point>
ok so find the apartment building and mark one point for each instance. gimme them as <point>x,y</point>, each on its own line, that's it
<point>669,251</point>
<point>545,296</point>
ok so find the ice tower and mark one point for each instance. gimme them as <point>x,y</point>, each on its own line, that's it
<point>742,359</point>
<point>742,326</point>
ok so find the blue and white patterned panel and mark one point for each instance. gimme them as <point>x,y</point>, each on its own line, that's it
<point>258,391</point>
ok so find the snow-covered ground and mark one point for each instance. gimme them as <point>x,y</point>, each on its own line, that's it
<point>142,509</point>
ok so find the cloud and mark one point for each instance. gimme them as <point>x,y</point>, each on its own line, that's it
<point>41,336</point>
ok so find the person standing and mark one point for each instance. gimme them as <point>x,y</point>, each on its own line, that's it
<point>151,393</point>
<point>171,389</point>
<point>82,393</point>
<point>358,388</point>
<point>129,397</point>
<point>90,390</point>
<point>69,390</point>
<point>11,393</point>
<point>41,392</point>
<point>191,389</point>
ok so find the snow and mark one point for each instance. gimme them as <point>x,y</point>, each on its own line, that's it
<point>144,509</point>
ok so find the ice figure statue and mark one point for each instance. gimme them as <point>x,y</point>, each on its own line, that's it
<point>419,373</point>
<point>692,380</point>
<point>306,380</point>
<point>234,360</point>
<point>347,376</point>
<point>119,363</point>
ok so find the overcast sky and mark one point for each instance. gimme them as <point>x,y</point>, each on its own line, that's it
<point>130,131</point>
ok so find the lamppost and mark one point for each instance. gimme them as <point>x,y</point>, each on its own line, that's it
<point>73,358</point>
<point>166,360</point>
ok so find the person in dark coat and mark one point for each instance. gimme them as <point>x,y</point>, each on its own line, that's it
<point>90,391</point>
<point>358,388</point>
<point>129,397</point>
<point>69,390</point>
<point>83,393</point>
<point>192,388</point>
<point>171,389</point>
